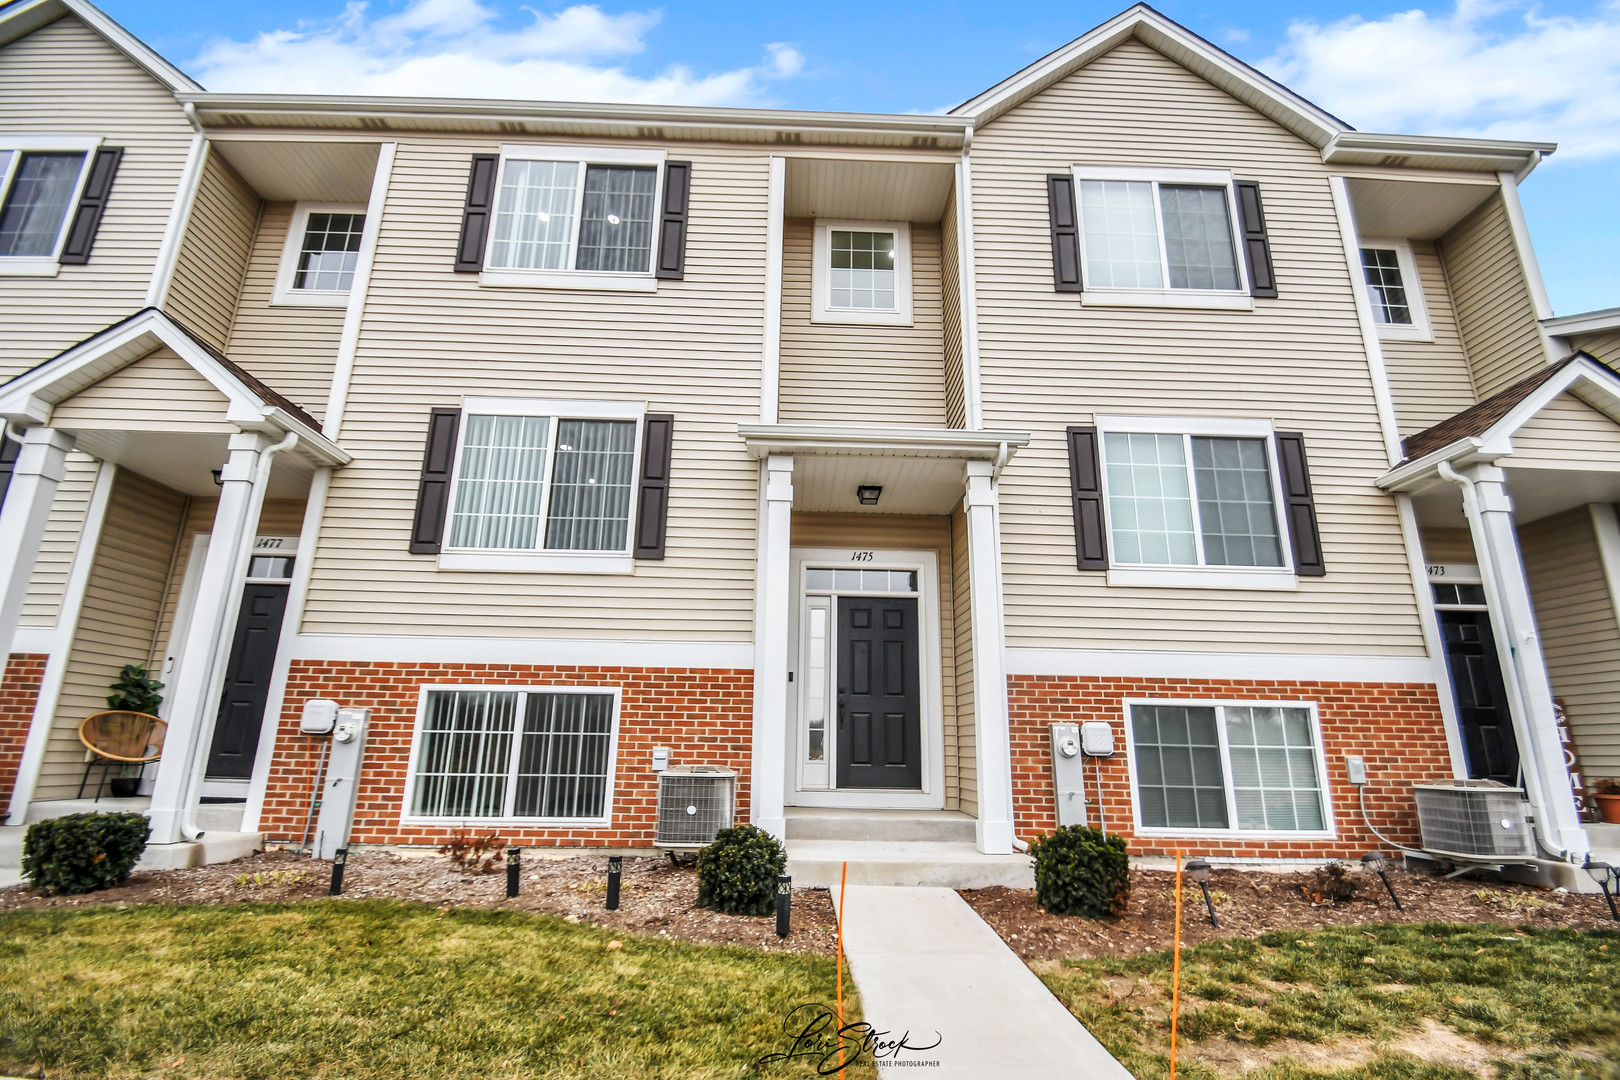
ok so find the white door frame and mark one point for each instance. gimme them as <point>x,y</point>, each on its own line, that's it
<point>931,713</point>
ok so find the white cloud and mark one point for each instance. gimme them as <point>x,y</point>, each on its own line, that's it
<point>456,48</point>
<point>1489,68</point>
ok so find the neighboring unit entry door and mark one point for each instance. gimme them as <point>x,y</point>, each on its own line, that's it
<point>879,693</point>
<point>247,682</point>
<point>1482,703</point>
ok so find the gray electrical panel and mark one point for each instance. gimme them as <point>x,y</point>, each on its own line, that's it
<point>1068,774</point>
<point>342,785</point>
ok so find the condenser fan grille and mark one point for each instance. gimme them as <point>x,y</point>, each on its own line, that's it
<point>693,805</point>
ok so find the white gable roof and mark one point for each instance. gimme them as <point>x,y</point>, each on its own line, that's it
<point>22,17</point>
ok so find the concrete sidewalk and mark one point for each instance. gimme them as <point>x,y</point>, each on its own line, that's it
<point>925,963</point>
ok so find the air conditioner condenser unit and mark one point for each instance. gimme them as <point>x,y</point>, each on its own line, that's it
<point>694,803</point>
<point>1475,819</point>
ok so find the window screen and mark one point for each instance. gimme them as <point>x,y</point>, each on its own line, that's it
<point>1149,507</point>
<point>501,482</point>
<point>37,203</point>
<point>1274,769</point>
<point>1179,780</point>
<point>534,217</point>
<point>1198,237</point>
<point>592,482</point>
<point>616,219</point>
<point>1121,234</point>
<point>1235,511</point>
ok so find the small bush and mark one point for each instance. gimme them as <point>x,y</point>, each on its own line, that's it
<point>135,691</point>
<point>80,853</point>
<point>474,854</point>
<point>1080,871</point>
<point>1331,884</point>
<point>737,873</point>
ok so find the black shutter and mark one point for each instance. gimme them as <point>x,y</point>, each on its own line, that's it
<point>81,235</point>
<point>475,216</point>
<point>1065,232</point>
<point>1256,246</point>
<point>1085,491</point>
<point>9,449</point>
<point>433,496</point>
<point>672,231</point>
<point>1299,505</point>
<point>652,501</point>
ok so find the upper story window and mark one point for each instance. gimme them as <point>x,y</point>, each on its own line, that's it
<point>1193,502</point>
<point>862,273</point>
<point>41,182</point>
<point>541,484</point>
<point>1161,237</point>
<point>1394,290</point>
<point>585,216</point>
<point>321,255</point>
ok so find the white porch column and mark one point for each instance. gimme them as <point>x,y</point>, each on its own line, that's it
<point>194,697</point>
<point>773,602</point>
<point>992,735</point>
<point>41,464</point>
<point>1519,648</point>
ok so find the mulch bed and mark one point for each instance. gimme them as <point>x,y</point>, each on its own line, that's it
<point>656,898</point>
<point>1251,902</point>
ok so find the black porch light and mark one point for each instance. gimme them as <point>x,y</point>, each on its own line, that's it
<point>1605,876</point>
<point>868,494</point>
<point>1198,870</point>
<point>1376,861</point>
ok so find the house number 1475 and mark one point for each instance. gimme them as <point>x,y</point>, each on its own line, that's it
<point>861,556</point>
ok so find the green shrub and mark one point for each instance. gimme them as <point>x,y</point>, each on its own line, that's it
<point>1080,871</point>
<point>135,691</point>
<point>737,873</point>
<point>83,852</point>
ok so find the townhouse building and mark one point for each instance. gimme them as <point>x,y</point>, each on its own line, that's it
<point>846,451</point>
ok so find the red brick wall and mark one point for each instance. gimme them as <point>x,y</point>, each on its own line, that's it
<point>1396,727</point>
<point>19,689</point>
<point>704,716</point>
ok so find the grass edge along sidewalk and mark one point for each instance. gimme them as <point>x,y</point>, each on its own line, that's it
<point>1423,1001</point>
<point>372,989</point>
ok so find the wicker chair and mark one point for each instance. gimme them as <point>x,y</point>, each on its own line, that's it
<point>119,737</point>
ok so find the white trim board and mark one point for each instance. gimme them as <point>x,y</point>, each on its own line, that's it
<point>1293,667</point>
<point>402,648</point>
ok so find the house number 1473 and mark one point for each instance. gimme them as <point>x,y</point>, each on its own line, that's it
<point>861,556</point>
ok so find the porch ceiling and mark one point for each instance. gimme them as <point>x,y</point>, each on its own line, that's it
<point>1415,209</point>
<point>287,170</point>
<point>183,460</point>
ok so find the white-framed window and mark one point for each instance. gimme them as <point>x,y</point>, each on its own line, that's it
<point>862,273</point>
<point>321,255</point>
<point>544,485</point>
<point>530,754</point>
<point>1160,238</point>
<point>41,179</point>
<point>1227,768</point>
<point>577,217</point>
<point>1194,502</point>
<point>1394,290</point>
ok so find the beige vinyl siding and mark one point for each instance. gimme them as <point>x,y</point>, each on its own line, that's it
<point>213,257</point>
<point>1047,362</point>
<point>1580,637</point>
<point>1429,380</point>
<point>63,79</point>
<point>904,533</point>
<point>1451,546</point>
<point>122,602</point>
<point>966,728</point>
<point>1494,310</point>
<point>54,562</point>
<point>851,374</point>
<point>1604,347</point>
<point>950,291</point>
<point>160,392</point>
<point>1567,434</point>
<point>431,335</point>
<point>291,347</point>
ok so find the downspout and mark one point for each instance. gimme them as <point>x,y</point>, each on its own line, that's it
<point>244,551</point>
<point>1493,601</point>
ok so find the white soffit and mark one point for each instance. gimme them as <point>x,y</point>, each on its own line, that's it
<point>910,485</point>
<point>1414,209</point>
<point>867,190</point>
<point>308,170</point>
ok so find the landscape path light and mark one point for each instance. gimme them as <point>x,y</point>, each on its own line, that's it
<point>1604,875</point>
<point>615,869</point>
<point>1199,869</point>
<point>1376,862</point>
<point>514,867</point>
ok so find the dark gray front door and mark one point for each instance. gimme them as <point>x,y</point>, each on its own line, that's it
<point>247,683</point>
<point>879,693</point>
<point>1482,701</point>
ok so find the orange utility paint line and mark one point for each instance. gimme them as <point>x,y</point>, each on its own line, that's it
<point>843,879</point>
<point>1175,973</point>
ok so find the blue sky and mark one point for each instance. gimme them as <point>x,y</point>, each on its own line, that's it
<point>1483,67</point>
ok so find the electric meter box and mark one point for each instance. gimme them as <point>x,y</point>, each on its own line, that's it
<point>1068,774</point>
<point>319,716</point>
<point>342,785</point>
<point>1097,738</point>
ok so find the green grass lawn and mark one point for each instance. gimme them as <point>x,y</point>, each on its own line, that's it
<point>374,989</point>
<point>1420,1001</point>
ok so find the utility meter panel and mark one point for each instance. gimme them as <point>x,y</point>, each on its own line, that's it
<point>1068,774</point>
<point>341,789</point>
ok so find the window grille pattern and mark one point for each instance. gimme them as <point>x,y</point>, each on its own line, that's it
<point>1385,289</point>
<point>1274,777</point>
<point>330,252</point>
<point>1235,512</point>
<point>594,475</point>
<point>616,219</point>
<point>562,767</point>
<point>37,203</point>
<point>501,484</point>
<point>1179,780</point>
<point>534,217</point>
<point>1122,234</point>
<point>464,754</point>
<point>1198,237</point>
<point>1149,506</point>
<point>862,269</point>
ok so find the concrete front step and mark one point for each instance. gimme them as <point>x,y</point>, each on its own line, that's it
<point>883,826</point>
<point>818,864</point>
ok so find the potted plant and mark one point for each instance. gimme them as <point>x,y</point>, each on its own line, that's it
<point>133,691</point>
<point>1606,793</point>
